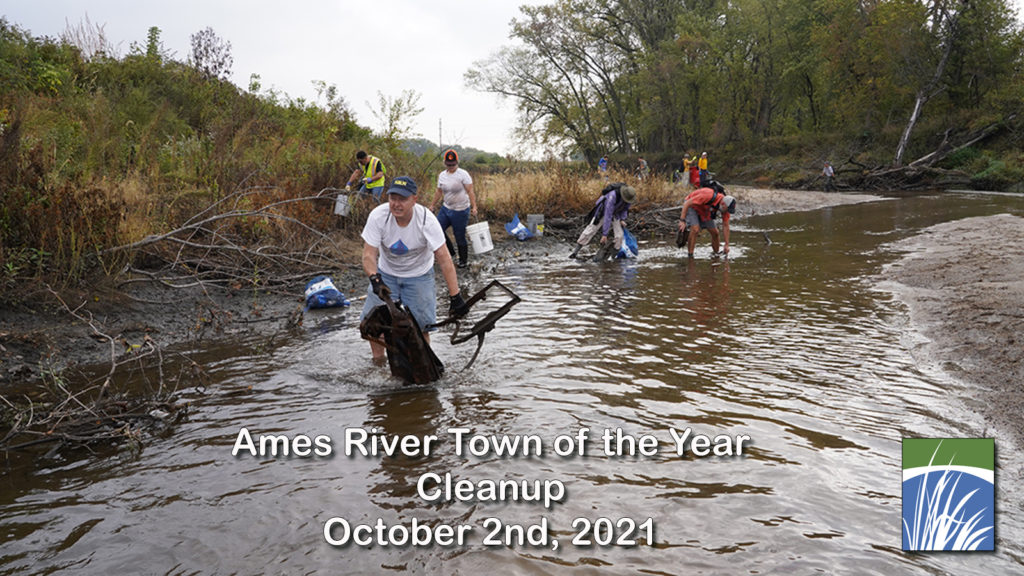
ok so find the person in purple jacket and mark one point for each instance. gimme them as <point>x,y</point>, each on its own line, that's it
<point>608,214</point>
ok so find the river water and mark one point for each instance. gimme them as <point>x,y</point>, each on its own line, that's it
<point>787,344</point>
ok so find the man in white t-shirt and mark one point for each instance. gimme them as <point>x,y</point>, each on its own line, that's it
<point>401,240</point>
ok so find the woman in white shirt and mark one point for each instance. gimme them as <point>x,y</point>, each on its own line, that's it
<point>455,186</point>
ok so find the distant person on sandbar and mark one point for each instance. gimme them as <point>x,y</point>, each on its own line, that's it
<point>702,165</point>
<point>829,175</point>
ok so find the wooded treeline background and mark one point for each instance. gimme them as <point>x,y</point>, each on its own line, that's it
<point>99,150</point>
<point>883,81</point>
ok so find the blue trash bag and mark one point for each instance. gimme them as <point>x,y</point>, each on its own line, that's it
<point>518,229</point>
<point>321,293</point>
<point>629,247</point>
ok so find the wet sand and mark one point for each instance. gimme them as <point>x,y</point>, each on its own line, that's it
<point>751,201</point>
<point>963,282</point>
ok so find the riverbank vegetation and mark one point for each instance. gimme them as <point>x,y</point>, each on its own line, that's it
<point>893,92</point>
<point>113,166</point>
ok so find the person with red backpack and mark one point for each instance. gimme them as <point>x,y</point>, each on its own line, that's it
<point>699,211</point>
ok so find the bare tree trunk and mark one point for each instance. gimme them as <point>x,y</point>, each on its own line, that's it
<point>928,91</point>
<point>905,137</point>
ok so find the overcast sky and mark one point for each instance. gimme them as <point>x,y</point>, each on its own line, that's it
<point>404,44</point>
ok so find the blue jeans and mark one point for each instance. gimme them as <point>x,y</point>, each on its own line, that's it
<point>417,293</point>
<point>457,219</point>
<point>377,192</point>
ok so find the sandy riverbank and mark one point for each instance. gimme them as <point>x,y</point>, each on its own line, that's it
<point>963,282</point>
<point>751,201</point>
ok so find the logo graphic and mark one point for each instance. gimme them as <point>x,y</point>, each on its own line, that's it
<point>399,248</point>
<point>948,494</point>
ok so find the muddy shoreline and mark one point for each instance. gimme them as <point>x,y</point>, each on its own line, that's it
<point>963,283</point>
<point>966,307</point>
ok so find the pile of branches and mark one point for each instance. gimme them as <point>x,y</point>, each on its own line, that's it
<point>87,418</point>
<point>255,237</point>
<point>910,177</point>
<point>924,172</point>
<point>102,412</point>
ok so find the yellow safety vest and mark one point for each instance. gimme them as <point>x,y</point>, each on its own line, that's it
<point>369,171</point>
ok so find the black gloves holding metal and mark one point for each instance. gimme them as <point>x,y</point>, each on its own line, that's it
<point>378,287</point>
<point>457,308</point>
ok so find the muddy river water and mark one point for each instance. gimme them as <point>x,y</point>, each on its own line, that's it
<point>786,353</point>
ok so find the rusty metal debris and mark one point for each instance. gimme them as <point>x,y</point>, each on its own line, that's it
<point>484,325</point>
<point>409,354</point>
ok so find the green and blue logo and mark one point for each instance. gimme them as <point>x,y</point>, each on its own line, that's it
<point>948,494</point>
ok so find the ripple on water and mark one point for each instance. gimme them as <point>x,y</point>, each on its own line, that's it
<point>783,343</point>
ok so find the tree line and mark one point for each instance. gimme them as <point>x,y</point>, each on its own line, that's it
<point>594,77</point>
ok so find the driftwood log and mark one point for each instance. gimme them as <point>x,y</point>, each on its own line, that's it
<point>921,173</point>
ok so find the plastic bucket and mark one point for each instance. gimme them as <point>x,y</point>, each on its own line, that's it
<point>479,235</point>
<point>535,222</point>
<point>341,205</point>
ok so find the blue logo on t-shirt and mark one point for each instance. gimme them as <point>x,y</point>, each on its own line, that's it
<point>399,248</point>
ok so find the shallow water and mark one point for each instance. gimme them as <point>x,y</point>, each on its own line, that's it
<point>786,343</point>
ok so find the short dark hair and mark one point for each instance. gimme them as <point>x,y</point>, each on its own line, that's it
<point>361,154</point>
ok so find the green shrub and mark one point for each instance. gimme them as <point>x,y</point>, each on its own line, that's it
<point>998,175</point>
<point>960,159</point>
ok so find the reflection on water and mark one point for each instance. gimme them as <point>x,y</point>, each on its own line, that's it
<point>785,343</point>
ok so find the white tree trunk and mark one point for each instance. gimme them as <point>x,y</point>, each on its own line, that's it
<point>933,87</point>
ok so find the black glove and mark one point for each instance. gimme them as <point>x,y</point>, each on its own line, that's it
<point>377,287</point>
<point>458,307</point>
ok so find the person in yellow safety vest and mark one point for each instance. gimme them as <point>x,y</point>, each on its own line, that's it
<point>702,165</point>
<point>370,175</point>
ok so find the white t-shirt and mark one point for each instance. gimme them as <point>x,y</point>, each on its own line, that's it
<point>404,252</point>
<point>453,185</point>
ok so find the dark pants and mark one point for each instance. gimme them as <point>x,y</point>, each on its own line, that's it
<point>458,220</point>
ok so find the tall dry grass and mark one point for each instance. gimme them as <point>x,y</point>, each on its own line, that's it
<point>562,190</point>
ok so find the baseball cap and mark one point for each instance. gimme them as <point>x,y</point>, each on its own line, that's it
<point>403,186</point>
<point>451,156</point>
<point>728,204</point>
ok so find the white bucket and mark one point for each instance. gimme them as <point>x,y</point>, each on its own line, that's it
<point>535,222</point>
<point>479,235</point>
<point>341,205</point>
